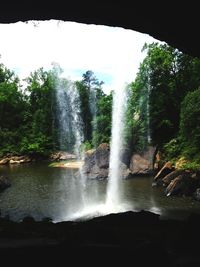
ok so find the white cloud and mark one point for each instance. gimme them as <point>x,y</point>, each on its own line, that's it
<point>114,51</point>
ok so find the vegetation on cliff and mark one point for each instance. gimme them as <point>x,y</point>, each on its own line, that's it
<point>162,108</point>
<point>165,99</point>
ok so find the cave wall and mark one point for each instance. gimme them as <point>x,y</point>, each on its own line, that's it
<point>176,24</point>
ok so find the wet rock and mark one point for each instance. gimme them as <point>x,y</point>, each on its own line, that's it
<point>20,159</point>
<point>96,164</point>
<point>125,171</point>
<point>102,155</point>
<point>15,159</point>
<point>4,161</point>
<point>143,164</point>
<point>62,155</point>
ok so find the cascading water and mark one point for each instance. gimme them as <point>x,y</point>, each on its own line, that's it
<point>64,115</point>
<point>113,197</point>
<point>77,126</point>
<point>71,137</point>
<point>80,204</point>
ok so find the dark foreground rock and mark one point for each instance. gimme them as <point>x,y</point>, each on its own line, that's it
<point>125,239</point>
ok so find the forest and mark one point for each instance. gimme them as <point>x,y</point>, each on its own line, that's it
<point>162,108</point>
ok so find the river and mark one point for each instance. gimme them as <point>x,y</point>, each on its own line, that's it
<point>41,191</point>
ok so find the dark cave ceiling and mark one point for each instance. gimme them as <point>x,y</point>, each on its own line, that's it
<point>177,25</point>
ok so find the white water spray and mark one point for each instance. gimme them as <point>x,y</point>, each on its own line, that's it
<point>71,128</point>
<point>80,205</point>
<point>113,197</point>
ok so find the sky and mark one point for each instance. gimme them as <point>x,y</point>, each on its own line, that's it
<point>110,52</point>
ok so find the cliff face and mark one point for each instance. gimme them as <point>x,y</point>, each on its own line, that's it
<point>178,25</point>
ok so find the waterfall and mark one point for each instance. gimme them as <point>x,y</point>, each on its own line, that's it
<point>71,137</point>
<point>113,188</point>
<point>64,115</point>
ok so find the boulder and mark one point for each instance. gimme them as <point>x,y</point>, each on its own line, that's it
<point>96,163</point>
<point>102,155</point>
<point>62,155</point>
<point>125,172</point>
<point>15,159</point>
<point>143,164</point>
<point>20,159</point>
<point>4,161</point>
<point>4,182</point>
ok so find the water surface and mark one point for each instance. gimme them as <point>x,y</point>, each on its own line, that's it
<point>41,191</point>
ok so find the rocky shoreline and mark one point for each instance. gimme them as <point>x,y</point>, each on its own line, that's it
<point>171,177</point>
<point>177,181</point>
<point>19,159</point>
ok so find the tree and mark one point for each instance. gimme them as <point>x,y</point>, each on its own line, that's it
<point>90,91</point>
<point>12,104</point>
<point>39,137</point>
<point>103,120</point>
<point>190,124</point>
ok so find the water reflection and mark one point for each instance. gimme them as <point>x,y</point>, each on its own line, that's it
<point>41,191</point>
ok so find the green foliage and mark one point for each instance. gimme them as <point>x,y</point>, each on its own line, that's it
<point>136,117</point>
<point>36,145</point>
<point>39,136</point>
<point>172,75</point>
<point>96,109</point>
<point>86,146</point>
<point>12,106</point>
<point>162,103</point>
<point>154,109</point>
<point>191,166</point>
<point>103,120</point>
<point>172,149</point>
<point>85,109</point>
<point>28,124</point>
<point>190,124</point>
